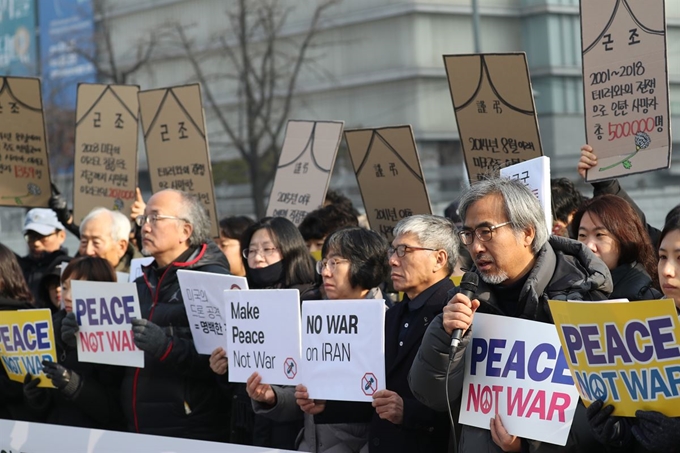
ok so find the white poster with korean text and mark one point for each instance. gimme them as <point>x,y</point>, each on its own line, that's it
<point>203,294</point>
<point>515,368</point>
<point>535,174</point>
<point>104,311</point>
<point>263,335</point>
<point>343,349</point>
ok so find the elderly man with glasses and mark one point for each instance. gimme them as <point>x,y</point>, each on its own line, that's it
<point>175,394</point>
<point>520,268</point>
<point>45,236</point>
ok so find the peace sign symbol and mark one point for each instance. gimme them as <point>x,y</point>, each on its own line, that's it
<point>598,388</point>
<point>486,401</point>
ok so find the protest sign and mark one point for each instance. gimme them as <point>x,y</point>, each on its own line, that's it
<point>494,107</point>
<point>104,311</point>
<point>343,348</point>
<point>625,81</point>
<point>24,166</point>
<point>389,174</point>
<point>105,163</point>
<point>515,368</point>
<point>177,144</point>
<point>263,335</point>
<point>203,294</point>
<point>136,267</point>
<point>26,339</point>
<point>304,169</point>
<point>535,174</point>
<point>625,354</point>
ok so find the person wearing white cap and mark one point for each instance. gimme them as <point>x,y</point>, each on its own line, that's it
<point>44,235</point>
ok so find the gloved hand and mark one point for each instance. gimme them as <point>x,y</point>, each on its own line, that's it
<point>36,397</point>
<point>64,379</point>
<point>69,330</point>
<point>609,431</point>
<point>150,338</point>
<point>657,432</point>
<point>58,204</point>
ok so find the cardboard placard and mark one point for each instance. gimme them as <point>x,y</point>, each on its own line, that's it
<point>105,163</point>
<point>515,369</point>
<point>304,169</point>
<point>535,174</point>
<point>389,174</point>
<point>24,164</point>
<point>625,81</point>
<point>625,354</point>
<point>177,144</point>
<point>495,112</point>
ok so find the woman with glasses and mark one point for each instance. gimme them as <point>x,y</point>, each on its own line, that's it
<point>609,227</point>
<point>274,256</point>
<point>354,263</point>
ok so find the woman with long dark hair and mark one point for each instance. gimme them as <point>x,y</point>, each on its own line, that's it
<point>609,226</point>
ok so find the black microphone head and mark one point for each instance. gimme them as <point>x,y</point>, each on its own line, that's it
<point>469,282</point>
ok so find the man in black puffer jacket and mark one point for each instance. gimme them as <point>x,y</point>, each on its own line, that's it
<point>175,394</point>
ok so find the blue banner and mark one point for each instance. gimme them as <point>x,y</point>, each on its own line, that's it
<point>18,51</point>
<point>66,41</point>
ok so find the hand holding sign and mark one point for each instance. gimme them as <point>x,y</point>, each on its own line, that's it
<point>657,432</point>
<point>389,406</point>
<point>36,397</point>
<point>69,330</point>
<point>308,405</point>
<point>138,206</point>
<point>262,393</point>
<point>502,438</point>
<point>64,379</point>
<point>587,161</point>
<point>458,313</point>
<point>150,338</point>
<point>609,431</point>
<point>219,361</point>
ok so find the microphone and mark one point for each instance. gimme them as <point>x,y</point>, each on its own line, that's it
<point>468,287</point>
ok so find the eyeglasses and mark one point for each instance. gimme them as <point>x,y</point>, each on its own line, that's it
<point>32,236</point>
<point>330,264</point>
<point>483,233</point>
<point>141,220</point>
<point>269,251</point>
<point>401,250</point>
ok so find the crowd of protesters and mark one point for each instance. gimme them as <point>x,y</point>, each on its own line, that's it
<point>601,248</point>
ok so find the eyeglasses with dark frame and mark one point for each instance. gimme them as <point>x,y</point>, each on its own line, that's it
<point>483,233</point>
<point>269,251</point>
<point>142,220</point>
<point>401,250</point>
<point>330,263</point>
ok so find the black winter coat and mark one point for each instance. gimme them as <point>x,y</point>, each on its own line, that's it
<point>175,395</point>
<point>632,282</point>
<point>35,269</point>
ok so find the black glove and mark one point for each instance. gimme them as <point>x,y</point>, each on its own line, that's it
<point>657,432</point>
<point>69,330</point>
<point>609,431</point>
<point>58,204</point>
<point>150,338</point>
<point>36,397</point>
<point>64,379</point>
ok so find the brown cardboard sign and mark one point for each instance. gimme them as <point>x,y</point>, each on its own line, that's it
<point>495,112</point>
<point>177,144</point>
<point>105,167</point>
<point>304,169</point>
<point>24,163</point>
<point>625,81</point>
<point>389,174</point>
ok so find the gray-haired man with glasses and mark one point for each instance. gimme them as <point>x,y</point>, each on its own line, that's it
<point>520,268</point>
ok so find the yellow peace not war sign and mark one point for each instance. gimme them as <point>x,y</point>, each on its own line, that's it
<point>626,354</point>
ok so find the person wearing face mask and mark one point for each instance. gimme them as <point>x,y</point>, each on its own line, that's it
<point>85,394</point>
<point>609,227</point>
<point>275,256</point>
<point>354,263</point>
<point>648,431</point>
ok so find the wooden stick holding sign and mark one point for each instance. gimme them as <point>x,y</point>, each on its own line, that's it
<point>389,174</point>
<point>304,169</point>
<point>625,78</point>
<point>177,144</point>
<point>495,112</point>
<point>105,167</point>
<point>24,164</point>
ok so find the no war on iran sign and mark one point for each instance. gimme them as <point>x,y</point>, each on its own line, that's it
<point>625,354</point>
<point>515,368</point>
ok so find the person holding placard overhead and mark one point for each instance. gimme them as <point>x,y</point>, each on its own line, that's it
<point>353,265</point>
<point>520,267</point>
<point>175,394</point>
<point>275,256</point>
<point>648,431</point>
